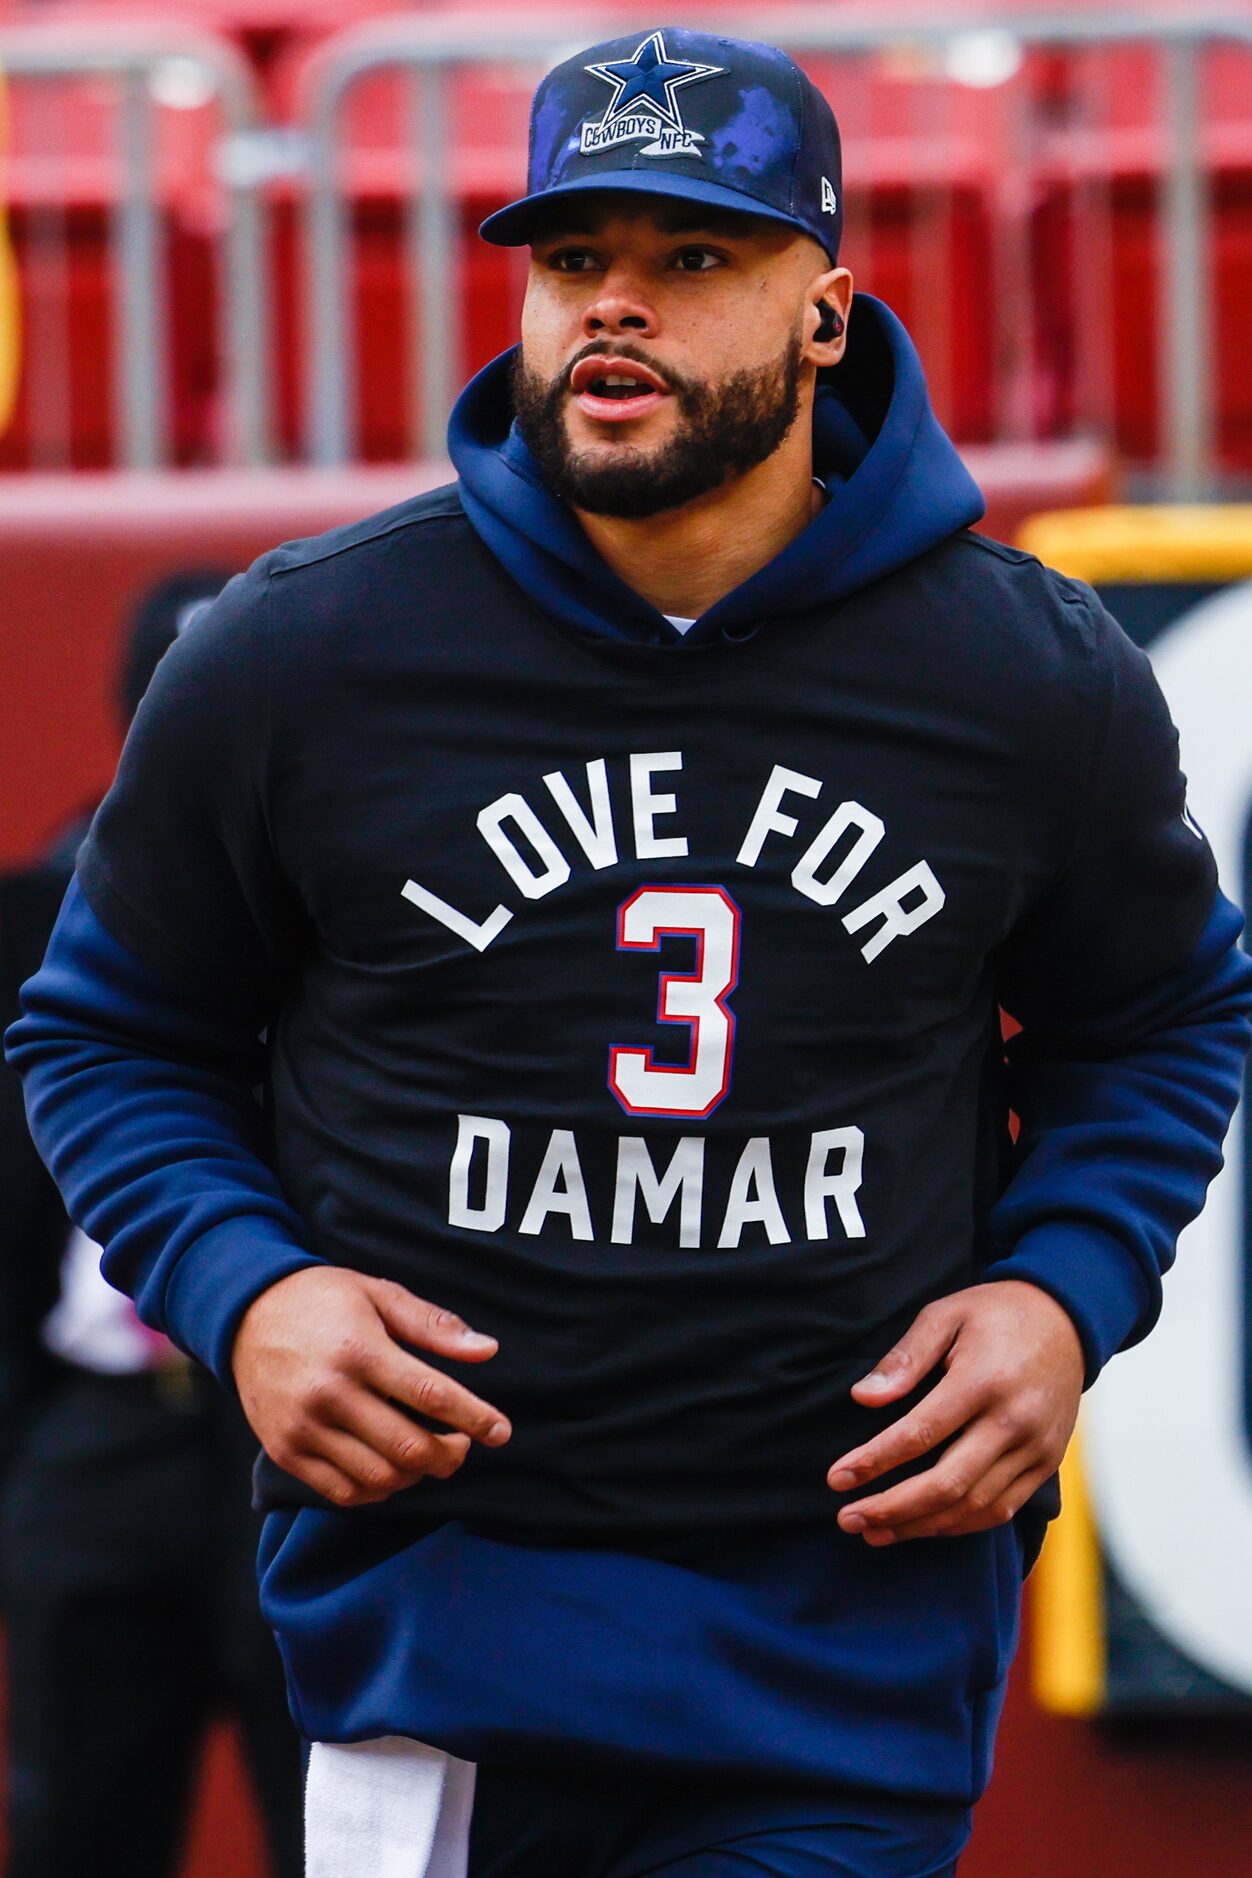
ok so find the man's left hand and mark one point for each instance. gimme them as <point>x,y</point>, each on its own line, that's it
<point>1010,1397</point>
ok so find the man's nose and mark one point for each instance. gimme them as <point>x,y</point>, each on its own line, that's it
<point>619,308</point>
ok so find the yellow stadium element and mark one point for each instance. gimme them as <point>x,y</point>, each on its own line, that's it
<point>1067,1603</point>
<point>1145,544</point>
<point>1209,544</point>
<point>10,298</point>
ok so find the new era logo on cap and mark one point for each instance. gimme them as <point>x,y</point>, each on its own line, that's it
<point>693,115</point>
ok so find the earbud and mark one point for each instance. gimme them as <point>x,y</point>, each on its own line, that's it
<point>830,325</point>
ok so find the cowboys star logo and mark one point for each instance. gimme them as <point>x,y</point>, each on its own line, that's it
<point>644,105</point>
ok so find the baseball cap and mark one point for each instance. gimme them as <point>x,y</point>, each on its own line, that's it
<point>689,115</point>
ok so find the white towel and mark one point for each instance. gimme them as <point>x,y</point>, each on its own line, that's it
<point>391,1808</point>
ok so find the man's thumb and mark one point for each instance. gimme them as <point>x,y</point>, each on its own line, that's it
<point>925,1343</point>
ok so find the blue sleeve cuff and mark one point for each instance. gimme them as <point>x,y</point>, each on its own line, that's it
<point>1092,1277</point>
<point>216,1279</point>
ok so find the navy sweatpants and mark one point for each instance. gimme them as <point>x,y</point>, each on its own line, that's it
<point>401,1810</point>
<point>527,1824</point>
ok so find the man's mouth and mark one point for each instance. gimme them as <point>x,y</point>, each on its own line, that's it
<point>611,390</point>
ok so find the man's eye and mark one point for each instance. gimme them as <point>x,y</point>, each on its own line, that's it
<point>572,260</point>
<point>696,260</point>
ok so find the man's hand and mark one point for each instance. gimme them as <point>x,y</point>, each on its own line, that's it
<point>1014,1379</point>
<point>319,1369</point>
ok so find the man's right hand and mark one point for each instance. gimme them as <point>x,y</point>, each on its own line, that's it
<point>319,1367</point>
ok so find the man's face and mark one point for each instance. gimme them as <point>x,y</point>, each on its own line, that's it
<point>661,349</point>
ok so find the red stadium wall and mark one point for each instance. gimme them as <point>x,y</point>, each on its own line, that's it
<point>78,554</point>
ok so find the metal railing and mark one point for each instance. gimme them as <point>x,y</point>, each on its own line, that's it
<point>426,53</point>
<point>129,57</point>
<point>429,50</point>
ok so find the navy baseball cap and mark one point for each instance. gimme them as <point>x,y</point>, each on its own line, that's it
<point>689,115</point>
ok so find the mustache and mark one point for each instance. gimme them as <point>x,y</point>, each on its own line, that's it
<point>677,382</point>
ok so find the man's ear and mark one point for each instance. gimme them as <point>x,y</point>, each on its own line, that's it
<point>827,305</point>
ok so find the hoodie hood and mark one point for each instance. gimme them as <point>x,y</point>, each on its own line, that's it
<point>896,484</point>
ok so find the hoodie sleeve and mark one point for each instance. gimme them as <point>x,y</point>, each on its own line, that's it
<point>1134,999</point>
<point>140,1100</point>
<point>140,1040</point>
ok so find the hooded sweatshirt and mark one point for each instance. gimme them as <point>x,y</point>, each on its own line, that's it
<point>637,997</point>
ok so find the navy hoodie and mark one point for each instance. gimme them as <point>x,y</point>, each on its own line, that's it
<point>639,999</point>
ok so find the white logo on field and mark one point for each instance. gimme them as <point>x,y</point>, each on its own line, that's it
<point>644,108</point>
<point>830,201</point>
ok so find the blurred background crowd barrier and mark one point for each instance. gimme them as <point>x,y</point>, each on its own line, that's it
<point>244,229</point>
<point>240,286</point>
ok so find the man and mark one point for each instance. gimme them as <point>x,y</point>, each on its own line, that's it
<point>626,852</point>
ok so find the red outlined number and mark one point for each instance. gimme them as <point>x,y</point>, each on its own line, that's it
<point>698,999</point>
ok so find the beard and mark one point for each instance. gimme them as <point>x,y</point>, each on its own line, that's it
<point>723,430</point>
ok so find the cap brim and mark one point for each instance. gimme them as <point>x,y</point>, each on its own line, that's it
<point>512,226</point>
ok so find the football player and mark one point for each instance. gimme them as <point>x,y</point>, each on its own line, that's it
<point>613,866</point>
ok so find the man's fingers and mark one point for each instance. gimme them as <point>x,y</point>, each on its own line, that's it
<point>317,1358</point>
<point>370,1474</point>
<point>415,1321</point>
<point>407,1379</point>
<point>389,1433</point>
<point>373,1475</point>
<point>955,1474</point>
<point>924,1344</point>
<point>992,1503</point>
<point>1014,1374</point>
<point>948,1407</point>
<point>330,1481</point>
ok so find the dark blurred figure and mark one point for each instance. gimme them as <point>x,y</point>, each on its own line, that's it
<point>126,1536</point>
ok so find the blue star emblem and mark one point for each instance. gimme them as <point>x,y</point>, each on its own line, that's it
<point>648,81</point>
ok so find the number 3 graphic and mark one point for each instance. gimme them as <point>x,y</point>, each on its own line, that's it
<point>710,917</point>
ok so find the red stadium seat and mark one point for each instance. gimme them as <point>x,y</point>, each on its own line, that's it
<point>927,161</point>
<point>61,181</point>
